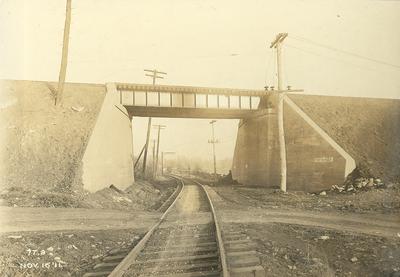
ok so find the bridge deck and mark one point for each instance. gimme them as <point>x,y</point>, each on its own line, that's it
<point>189,102</point>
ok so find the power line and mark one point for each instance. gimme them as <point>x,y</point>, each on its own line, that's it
<point>154,75</point>
<point>345,51</point>
<point>327,57</point>
<point>227,139</point>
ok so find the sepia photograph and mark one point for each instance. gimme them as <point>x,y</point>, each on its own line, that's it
<point>199,138</point>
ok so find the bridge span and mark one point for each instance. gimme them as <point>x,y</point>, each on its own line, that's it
<point>190,102</point>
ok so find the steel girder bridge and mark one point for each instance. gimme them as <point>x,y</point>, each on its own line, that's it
<point>190,102</point>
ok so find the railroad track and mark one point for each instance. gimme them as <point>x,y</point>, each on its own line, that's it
<point>187,241</point>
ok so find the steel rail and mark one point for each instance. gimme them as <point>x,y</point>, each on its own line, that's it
<point>123,266</point>
<point>222,253</point>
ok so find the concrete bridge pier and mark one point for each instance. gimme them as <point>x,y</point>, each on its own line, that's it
<point>315,161</point>
<point>108,158</point>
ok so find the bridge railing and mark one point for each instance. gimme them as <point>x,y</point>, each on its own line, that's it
<point>188,97</point>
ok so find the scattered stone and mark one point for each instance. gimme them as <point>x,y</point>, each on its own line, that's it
<point>324,237</point>
<point>337,188</point>
<point>350,188</point>
<point>398,234</point>
<point>322,193</point>
<point>92,237</point>
<point>14,237</point>
<point>50,249</point>
<point>370,182</point>
<point>96,257</point>
<point>70,236</point>
<point>77,108</point>
<point>72,246</point>
<point>354,259</point>
<point>121,199</point>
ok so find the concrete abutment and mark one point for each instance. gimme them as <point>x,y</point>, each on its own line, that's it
<point>108,157</point>
<point>314,160</point>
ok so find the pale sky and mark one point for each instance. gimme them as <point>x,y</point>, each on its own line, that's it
<point>212,43</point>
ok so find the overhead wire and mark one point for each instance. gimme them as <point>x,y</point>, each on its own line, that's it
<point>328,57</point>
<point>344,51</point>
<point>201,143</point>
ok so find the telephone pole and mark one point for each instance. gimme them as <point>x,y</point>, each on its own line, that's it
<point>154,76</point>
<point>162,160</point>
<point>277,44</point>
<point>154,154</point>
<point>159,127</point>
<point>213,141</point>
<point>64,55</point>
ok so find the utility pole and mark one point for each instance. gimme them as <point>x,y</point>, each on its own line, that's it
<point>213,141</point>
<point>155,76</point>
<point>162,160</point>
<point>159,127</point>
<point>277,44</point>
<point>64,57</point>
<point>154,155</point>
<point>138,158</point>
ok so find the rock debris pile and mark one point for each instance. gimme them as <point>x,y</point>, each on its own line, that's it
<point>359,184</point>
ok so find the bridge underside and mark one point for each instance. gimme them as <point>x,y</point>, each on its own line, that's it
<point>177,112</point>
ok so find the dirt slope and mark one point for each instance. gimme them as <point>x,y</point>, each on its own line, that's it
<point>368,129</point>
<point>42,145</point>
